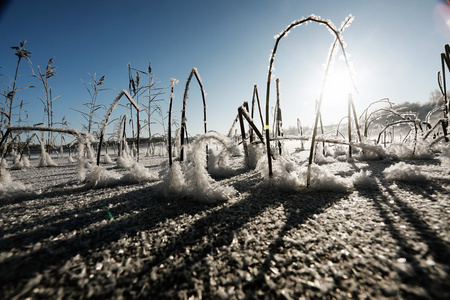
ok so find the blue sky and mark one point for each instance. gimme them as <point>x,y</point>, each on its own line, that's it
<point>394,48</point>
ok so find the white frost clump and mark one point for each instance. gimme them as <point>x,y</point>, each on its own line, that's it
<point>255,153</point>
<point>46,161</point>
<point>322,179</point>
<point>10,188</point>
<point>408,150</point>
<point>70,159</point>
<point>372,152</point>
<point>364,179</point>
<point>22,163</point>
<point>81,170</point>
<point>320,158</point>
<point>218,163</point>
<point>195,181</point>
<point>287,175</point>
<point>3,164</point>
<point>107,159</point>
<point>404,172</point>
<point>138,173</point>
<point>125,161</point>
<point>174,182</point>
<point>97,176</point>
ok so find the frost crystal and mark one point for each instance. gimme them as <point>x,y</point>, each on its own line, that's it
<point>405,172</point>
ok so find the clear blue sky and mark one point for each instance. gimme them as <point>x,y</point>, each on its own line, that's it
<point>394,47</point>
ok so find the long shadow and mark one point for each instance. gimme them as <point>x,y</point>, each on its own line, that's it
<point>81,214</point>
<point>151,211</point>
<point>427,190</point>
<point>297,212</point>
<point>438,248</point>
<point>219,229</point>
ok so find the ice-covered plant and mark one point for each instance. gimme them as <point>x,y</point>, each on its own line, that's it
<point>173,81</point>
<point>194,181</point>
<point>6,111</point>
<point>94,88</point>
<point>21,53</point>
<point>194,72</point>
<point>108,115</point>
<point>338,39</point>
<point>48,99</point>
<point>445,61</point>
<point>243,114</point>
<point>405,172</point>
<point>10,188</point>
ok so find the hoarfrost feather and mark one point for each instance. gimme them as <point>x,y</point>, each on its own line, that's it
<point>404,172</point>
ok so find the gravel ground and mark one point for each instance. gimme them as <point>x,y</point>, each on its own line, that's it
<point>389,240</point>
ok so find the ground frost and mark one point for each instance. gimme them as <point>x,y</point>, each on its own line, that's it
<point>360,233</point>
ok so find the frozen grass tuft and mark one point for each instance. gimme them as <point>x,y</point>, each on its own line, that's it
<point>125,161</point>
<point>322,179</point>
<point>21,164</point>
<point>46,161</point>
<point>320,158</point>
<point>12,189</point>
<point>192,179</point>
<point>97,176</point>
<point>138,173</point>
<point>405,172</point>
<point>364,179</point>
<point>173,182</point>
<point>255,153</point>
<point>408,151</point>
<point>289,176</point>
<point>218,163</point>
<point>3,164</point>
<point>285,175</point>
<point>107,159</point>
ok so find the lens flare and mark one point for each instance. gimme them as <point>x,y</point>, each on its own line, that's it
<point>442,18</point>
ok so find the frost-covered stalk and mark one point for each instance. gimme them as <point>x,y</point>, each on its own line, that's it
<point>244,139</point>
<point>278,38</point>
<point>369,118</point>
<point>445,60</point>
<point>194,71</point>
<point>244,111</point>
<point>349,118</point>
<point>331,56</point>
<point>27,145</point>
<point>394,124</point>
<point>45,159</point>
<point>173,81</point>
<point>355,117</point>
<point>108,115</point>
<point>20,53</point>
<point>255,96</point>
<point>48,101</point>
<point>278,117</point>
<point>149,108</point>
<point>121,133</point>
<point>230,132</point>
<point>73,132</point>
<point>132,88</point>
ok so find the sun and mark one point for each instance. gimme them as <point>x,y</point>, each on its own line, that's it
<point>338,87</point>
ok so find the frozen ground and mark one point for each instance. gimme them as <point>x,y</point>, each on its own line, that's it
<point>371,229</point>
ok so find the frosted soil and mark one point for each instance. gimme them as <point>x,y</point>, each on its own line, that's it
<point>386,235</point>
